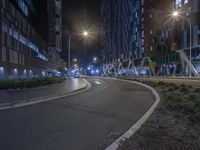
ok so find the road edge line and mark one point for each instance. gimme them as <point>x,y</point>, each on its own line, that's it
<point>135,127</point>
<point>22,103</point>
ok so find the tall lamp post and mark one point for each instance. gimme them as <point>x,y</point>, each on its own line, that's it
<point>85,34</point>
<point>177,14</point>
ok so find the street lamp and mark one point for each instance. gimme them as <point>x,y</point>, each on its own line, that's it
<point>176,14</point>
<point>95,59</point>
<point>84,34</point>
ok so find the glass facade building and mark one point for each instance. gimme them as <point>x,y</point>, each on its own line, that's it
<point>143,33</point>
<point>131,30</point>
<point>55,25</point>
<point>23,49</point>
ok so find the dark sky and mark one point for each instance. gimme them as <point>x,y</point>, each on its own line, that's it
<point>79,15</point>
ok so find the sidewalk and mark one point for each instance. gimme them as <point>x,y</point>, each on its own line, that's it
<point>68,86</point>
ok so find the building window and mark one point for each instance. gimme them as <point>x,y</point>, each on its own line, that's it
<point>151,32</point>
<point>142,33</point>
<point>3,54</point>
<point>3,38</point>
<point>151,48</point>
<point>9,41</point>
<point>13,57</point>
<point>23,6</point>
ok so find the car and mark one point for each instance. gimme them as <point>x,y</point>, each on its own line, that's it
<point>76,74</point>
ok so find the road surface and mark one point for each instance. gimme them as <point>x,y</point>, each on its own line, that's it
<point>70,84</point>
<point>87,121</point>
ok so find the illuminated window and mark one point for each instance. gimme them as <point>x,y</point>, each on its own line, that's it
<point>23,6</point>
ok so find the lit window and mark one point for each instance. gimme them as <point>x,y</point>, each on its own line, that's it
<point>151,48</point>
<point>23,6</point>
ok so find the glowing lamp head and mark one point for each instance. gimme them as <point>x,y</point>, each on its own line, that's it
<point>85,33</point>
<point>175,13</point>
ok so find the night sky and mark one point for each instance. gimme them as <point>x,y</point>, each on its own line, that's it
<point>79,14</point>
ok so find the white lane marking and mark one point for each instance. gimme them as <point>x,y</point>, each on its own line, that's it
<point>97,82</point>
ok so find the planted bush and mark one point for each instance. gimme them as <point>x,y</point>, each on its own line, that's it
<point>28,83</point>
<point>184,90</point>
<point>173,100</point>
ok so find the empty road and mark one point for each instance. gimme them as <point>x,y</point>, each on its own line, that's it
<point>87,121</point>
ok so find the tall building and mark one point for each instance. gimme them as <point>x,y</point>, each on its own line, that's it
<point>142,33</point>
<point>55,25</point>
<point>129,29</point>
<point>23,42</point>
<point>117,31</point>
<point>190,10</point>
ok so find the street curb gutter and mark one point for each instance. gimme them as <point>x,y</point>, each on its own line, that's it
<point>131,131</point>
<point>37,100</point>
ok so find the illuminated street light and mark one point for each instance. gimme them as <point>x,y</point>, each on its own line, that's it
<point>84,34</point>
<point>95,59</point>
<point>177,14</point>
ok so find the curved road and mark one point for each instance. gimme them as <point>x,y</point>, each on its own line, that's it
<point>87,121</point>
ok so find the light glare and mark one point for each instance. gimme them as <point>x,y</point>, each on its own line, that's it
<point>175,13</point>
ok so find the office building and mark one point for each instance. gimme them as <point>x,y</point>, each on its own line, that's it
<point>23,42</point>
<point>55,25</point>
<point>142,33</point>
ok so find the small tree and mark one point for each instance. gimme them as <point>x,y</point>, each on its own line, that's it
<point>55,62</point>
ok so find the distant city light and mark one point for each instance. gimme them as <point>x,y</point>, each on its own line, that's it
<point>43,73</point>
<point>75,65</point>
<point>95,59</point>
<point>24,71</point>
<point>15,70</point>
<point>1,70</point>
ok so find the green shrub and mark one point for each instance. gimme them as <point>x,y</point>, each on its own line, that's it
<point>195,117</point>
<point>28,83</point>
<point>173,100</point>
<point>184,90</point>
<point>182,85</point>
<point>161,83</point>
<point>197,90</point>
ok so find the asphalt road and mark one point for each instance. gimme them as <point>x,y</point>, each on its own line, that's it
<point>87,121</point>
<point>70,84</point>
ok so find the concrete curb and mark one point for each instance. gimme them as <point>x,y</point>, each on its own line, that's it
<point>131,131</point>
<point>37,100</point>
